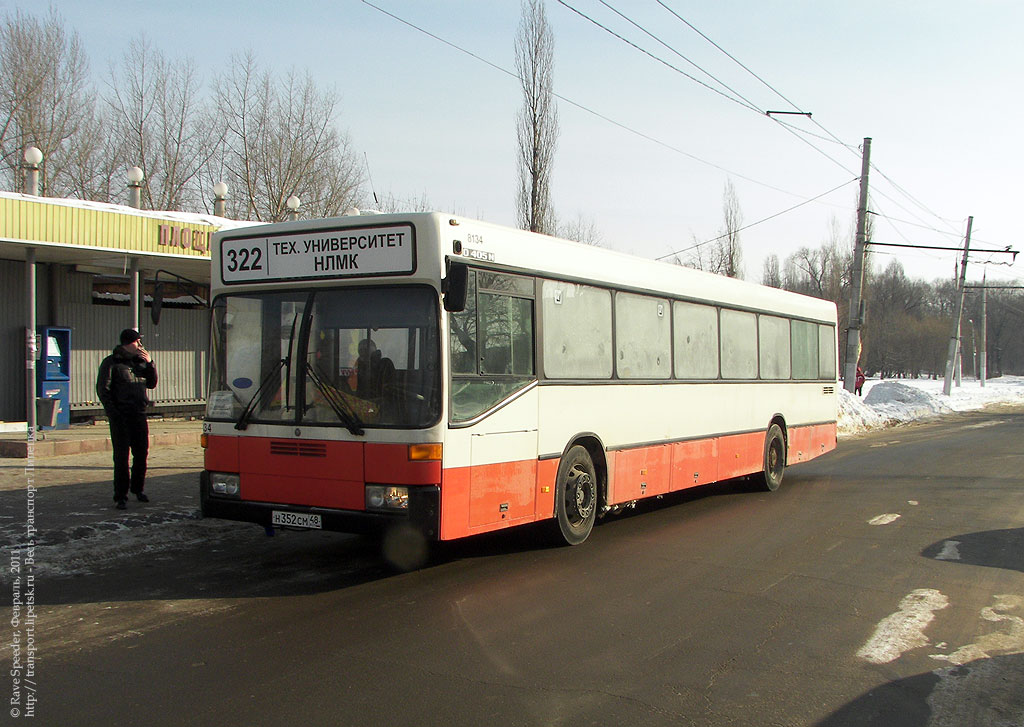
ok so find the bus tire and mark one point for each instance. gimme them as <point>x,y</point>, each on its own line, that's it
<point>575,496</point>
<point>774,459</point>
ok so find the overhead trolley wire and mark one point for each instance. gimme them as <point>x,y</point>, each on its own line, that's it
<point>769,86</point>
<point>909,196</point>
<point>581,107</point>
<point>753,224</point>
<point>741,101</point>
<point>853,149</point>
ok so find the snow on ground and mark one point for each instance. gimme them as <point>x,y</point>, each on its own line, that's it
<point>898,401</point>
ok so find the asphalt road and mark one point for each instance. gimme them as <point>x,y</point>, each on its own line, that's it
<point>882,584</point>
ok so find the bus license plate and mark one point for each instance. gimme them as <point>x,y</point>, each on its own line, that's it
<point>296,519</point>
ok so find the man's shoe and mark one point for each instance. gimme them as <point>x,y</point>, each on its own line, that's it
<point>121,505</point>
<point>141,497</point>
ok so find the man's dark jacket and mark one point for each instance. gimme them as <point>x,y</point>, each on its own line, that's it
<point>123,382</point>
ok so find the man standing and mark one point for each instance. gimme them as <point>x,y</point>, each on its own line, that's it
<point>124,378</point>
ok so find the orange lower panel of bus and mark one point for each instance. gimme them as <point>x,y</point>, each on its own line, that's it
<point>490,497</point>
<point>315,473</point>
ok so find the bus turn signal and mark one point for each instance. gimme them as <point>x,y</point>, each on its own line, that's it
<point>425,452</point>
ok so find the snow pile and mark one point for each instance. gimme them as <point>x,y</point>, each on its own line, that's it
<point>856,416</point>
<point>887,403</point>
<point>902,402</point>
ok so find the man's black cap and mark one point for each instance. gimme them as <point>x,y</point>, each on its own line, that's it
<point>129,335</point>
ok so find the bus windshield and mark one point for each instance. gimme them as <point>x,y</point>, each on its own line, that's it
<point>353,357</point>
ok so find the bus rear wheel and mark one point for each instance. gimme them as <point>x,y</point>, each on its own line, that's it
<point>774,459</point>
<point>575,496</point>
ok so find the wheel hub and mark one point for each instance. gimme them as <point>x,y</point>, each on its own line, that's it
<point>582,493</point>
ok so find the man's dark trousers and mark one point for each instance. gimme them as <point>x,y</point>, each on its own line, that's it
<point>129,433</point>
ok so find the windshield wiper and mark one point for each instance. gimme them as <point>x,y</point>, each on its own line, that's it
<point>243,420</point>
<point>337,403</point>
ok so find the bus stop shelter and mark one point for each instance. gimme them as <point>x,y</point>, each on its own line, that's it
<point>91,267</point>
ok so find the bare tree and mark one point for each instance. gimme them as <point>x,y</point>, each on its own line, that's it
<point>770,274</point>
<point>390,202</point>
<point>730,253</point>
<point>161,125</point>
<point>95,170</point>
<point>281,140</point>
<point>45,100</point>
<point>537,122</point>
<point>724,254</point>
<point>582,230</point>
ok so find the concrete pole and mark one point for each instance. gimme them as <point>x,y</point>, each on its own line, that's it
<point>984,331</point>
<point>857,287</point>
<point>31,349</point>
<point>954,341</point>
<point>958,369</point>
<point>974,349</point>
<point>136,297</point>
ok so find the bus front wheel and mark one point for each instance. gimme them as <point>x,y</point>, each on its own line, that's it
<point>774,459</point>
<point>576,496</point>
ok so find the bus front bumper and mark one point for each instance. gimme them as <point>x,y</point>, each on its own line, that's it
<point>424,512</point>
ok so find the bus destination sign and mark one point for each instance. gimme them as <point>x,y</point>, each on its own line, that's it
<point>329,253</point>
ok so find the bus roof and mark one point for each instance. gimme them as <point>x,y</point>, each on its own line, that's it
<point>494,246</point>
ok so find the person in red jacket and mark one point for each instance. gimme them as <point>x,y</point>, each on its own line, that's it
<point>124,379</point>
<point>858,383</point>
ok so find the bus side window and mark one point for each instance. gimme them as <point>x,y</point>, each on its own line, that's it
<point>507,341</point>
<point>491,344</point>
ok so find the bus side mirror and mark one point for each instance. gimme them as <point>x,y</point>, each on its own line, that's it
<point>158,303</point>
<point>455,287</point>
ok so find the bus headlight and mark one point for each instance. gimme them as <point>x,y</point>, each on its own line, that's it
<point>224,484</point>
<point>387,498</point>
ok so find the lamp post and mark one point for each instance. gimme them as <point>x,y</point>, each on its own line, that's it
<point>135,176</point>
<point>293,204</point>
<point>220,198</point>
<point>33,158</point>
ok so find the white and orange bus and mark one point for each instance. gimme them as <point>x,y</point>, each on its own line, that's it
<point>446,377</point>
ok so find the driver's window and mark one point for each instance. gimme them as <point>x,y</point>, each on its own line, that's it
<point>491,343</point>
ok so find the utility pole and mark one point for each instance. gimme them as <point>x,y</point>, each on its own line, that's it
<point>857,284</point>
<point>954,341</point>
<point>958,368</point>
<point>984,330</point>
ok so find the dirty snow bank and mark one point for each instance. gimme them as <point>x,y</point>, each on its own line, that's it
<point>891,402</point>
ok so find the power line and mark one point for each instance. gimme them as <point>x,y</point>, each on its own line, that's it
<point>919,225</point>
<point>772,88</point>
<point>742,103</point>
<point>895,185</point>
<point>754,224</point>
<point>582,107</point>
<point>729,55</point>
<point>909,196</point>
<point>747,102</point>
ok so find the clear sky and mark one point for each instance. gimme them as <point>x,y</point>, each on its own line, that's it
<point>936,84</point>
